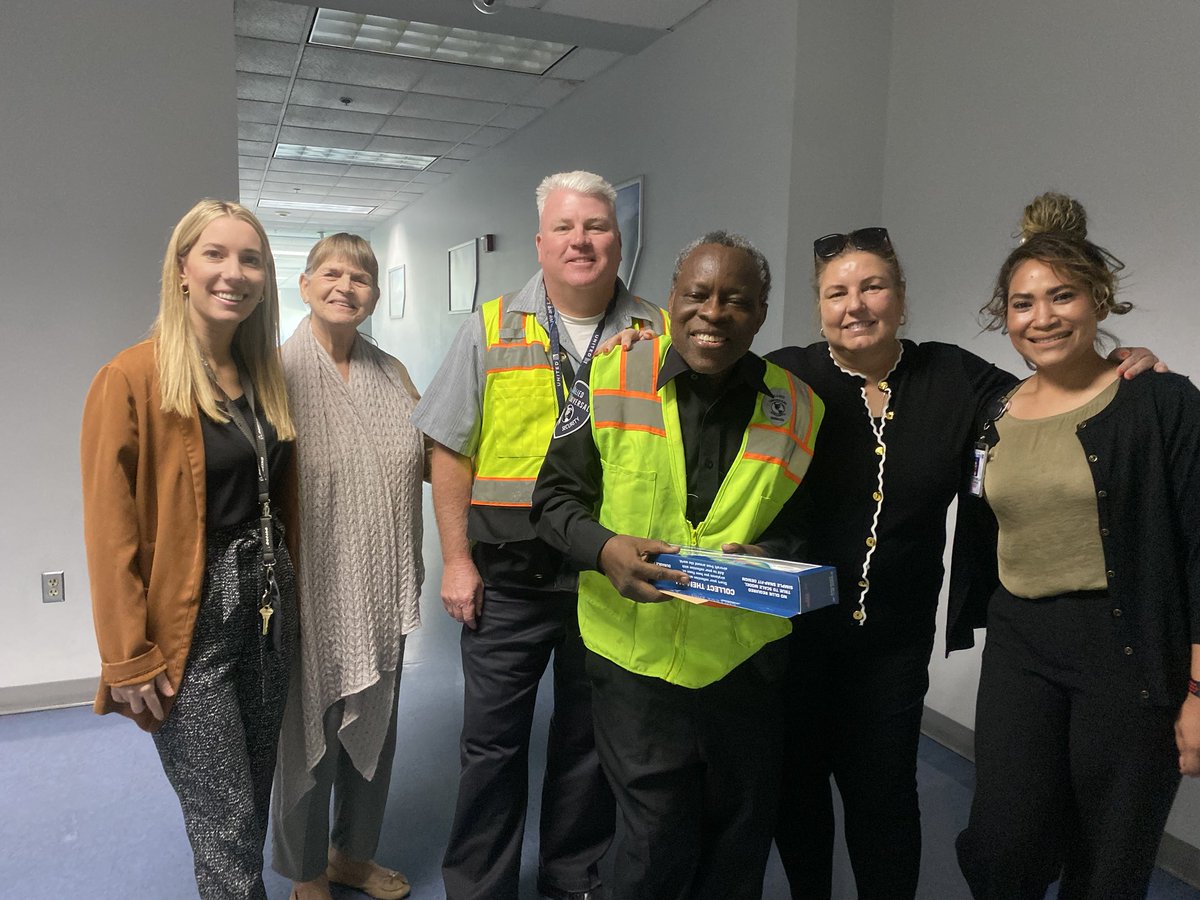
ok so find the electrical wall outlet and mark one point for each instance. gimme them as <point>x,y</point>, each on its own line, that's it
<point>53,590</point>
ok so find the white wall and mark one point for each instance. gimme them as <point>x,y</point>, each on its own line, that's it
<point>843,52</point>
<point>118,116</point>
<point>989,105</point>
<point>705,114</point>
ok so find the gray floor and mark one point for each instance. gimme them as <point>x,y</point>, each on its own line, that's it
<point>85,810</point>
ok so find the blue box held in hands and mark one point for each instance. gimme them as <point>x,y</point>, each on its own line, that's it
<point>778,587</point>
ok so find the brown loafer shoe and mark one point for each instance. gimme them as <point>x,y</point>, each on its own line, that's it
<point>380,883</point>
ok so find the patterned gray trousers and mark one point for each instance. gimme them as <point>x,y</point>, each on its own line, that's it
<point>217,745</point>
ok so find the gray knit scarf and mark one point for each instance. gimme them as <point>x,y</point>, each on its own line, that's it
<point>360,568</point>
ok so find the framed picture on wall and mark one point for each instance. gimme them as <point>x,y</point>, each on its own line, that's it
<point>629,220</point>
<point>396,292</point>
<point>464,277</point>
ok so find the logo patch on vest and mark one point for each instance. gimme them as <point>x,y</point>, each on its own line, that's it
<point>576,412</point>
<point>777,407</point>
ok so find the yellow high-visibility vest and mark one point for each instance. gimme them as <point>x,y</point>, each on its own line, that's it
<point>636,431</point>
<point>519,406</point>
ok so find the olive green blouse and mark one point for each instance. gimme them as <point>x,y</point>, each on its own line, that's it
<point>1039,483</point>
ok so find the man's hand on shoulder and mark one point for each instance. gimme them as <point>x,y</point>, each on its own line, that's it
<point>625,339</point>
<point>625,561</point>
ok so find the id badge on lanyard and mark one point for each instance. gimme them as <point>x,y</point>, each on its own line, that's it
<point>980,454</point>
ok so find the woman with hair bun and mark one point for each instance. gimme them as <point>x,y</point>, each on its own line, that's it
<point>186,450</point>
<point>1089,707</point>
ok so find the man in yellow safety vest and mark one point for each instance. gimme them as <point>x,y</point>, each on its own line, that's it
<point>491,410</point>
<point>686,439</point>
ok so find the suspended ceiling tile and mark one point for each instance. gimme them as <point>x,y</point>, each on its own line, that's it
<point>271,20</point>
<point>373,178</point>
<point>255,148</point>
<point>358,196</point>
<point>447,166</point>
<point>468,151</point>
<point>487,136</point>
<point>548,92</point>
<point>377,70</point>
<point>473,83</point>
<point>307,166</point>
<point>295,196</point>
<point>257,111</point>
<point>317,137</point>
<point>329,95</point>
<point>256,131</point>
<point>426,129</point>
<point>584,62</point>
<point>428,177</point>
<point>428,106</point>
<point>337,119</point>
<point>409,145</point>
<point>659,14</point>
<point>516,116</point>
<point>255,163</point>
<point>271,88</point>
<point>266,57</point>
<point>292,178</point>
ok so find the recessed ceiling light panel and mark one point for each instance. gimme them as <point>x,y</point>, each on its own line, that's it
<point>356,157</point>
<point>317,207</point>
<point>399,37</point>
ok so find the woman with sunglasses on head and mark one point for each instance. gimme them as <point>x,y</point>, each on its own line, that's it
<point>187,460</point>
<point>895,449</point>
<point>1089,707</point>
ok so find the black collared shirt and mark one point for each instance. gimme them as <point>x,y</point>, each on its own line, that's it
<point>713,415</point>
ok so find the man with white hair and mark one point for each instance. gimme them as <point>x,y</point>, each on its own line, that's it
<point>491,411</point>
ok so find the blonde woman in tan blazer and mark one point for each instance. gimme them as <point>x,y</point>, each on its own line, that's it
<point>194,611</point>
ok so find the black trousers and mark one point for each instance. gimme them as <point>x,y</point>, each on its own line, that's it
<point>1073,775</point>
<point>695,773</point>
<point>503,661</point>
<point>853,713</point>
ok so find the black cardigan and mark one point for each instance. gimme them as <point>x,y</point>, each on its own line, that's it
<point>1144,450</point>
<point>936,394</point>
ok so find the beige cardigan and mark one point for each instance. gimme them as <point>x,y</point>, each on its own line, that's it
<point>143,526</point>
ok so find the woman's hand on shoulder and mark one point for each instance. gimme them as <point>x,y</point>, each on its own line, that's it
<point>145,695</point>
<point>1136,360</point>
<point>1187,736</point>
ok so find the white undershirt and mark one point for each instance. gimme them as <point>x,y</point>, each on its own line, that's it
<point>579,331</point>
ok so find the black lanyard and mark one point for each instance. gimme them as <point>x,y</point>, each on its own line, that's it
<point>556,347</point>
<point>267,606</point>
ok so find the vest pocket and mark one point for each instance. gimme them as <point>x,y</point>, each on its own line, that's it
<point>519,431</point>
<point>628,502</point>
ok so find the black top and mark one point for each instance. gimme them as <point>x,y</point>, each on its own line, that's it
<point>936,392</point>
<point>1144,451</point>
<point>231,470</point>
<point>713,415</point>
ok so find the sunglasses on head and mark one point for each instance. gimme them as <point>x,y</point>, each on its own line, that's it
<point>872,239</point>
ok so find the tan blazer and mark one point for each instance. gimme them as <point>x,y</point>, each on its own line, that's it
<point>143,526</point>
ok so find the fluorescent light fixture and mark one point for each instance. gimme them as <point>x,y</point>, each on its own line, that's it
<point>355,157</point>
<point>399,37</point>
<point>317,207</point>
